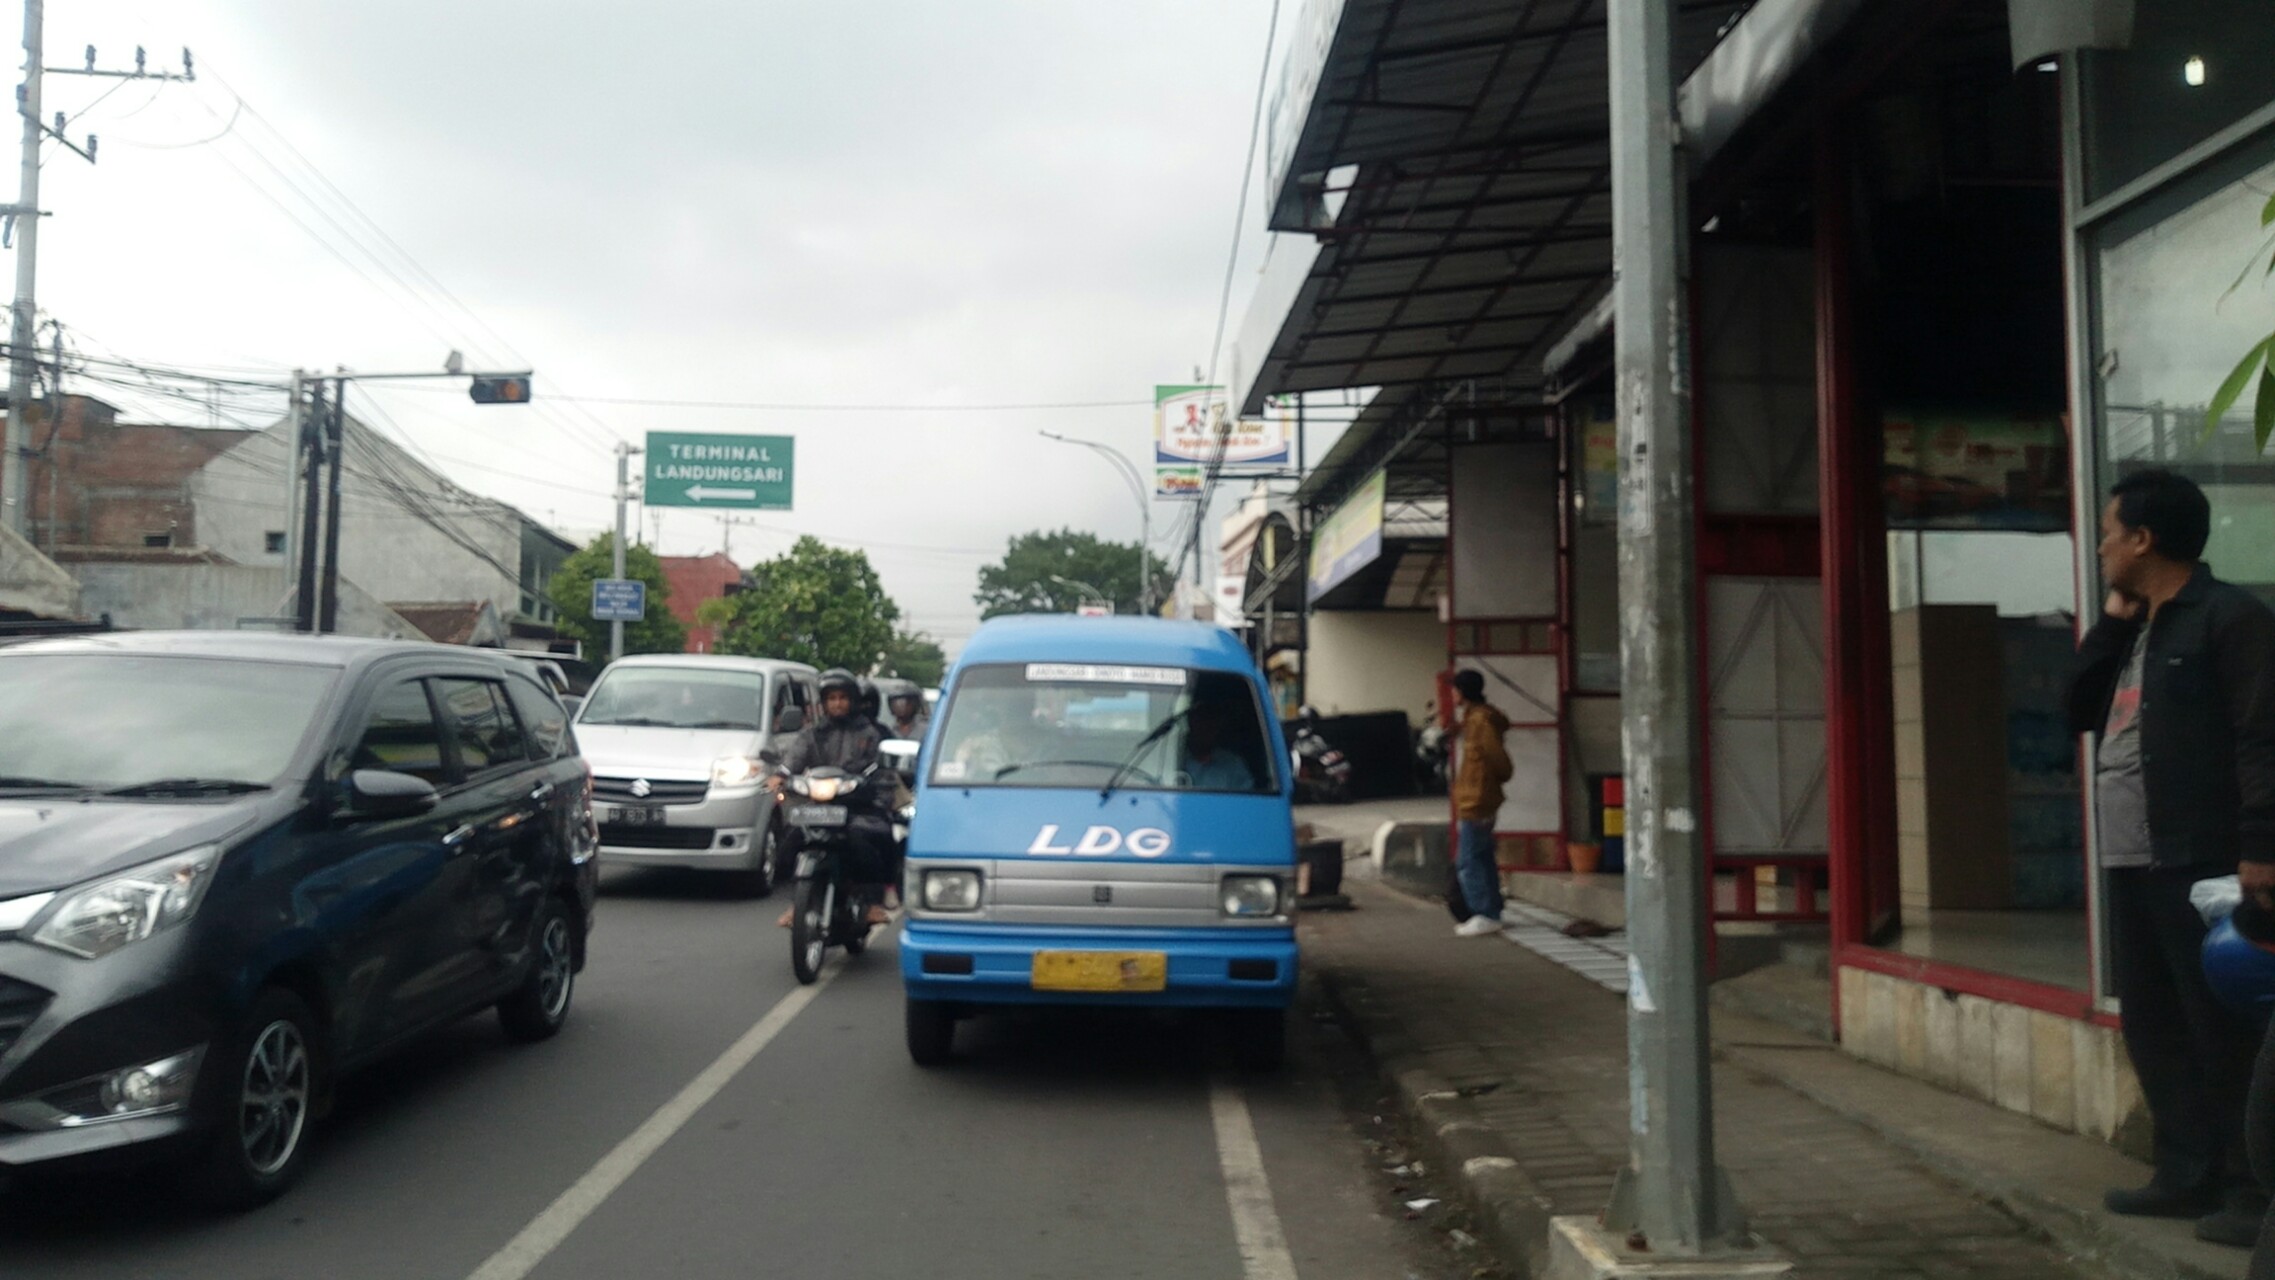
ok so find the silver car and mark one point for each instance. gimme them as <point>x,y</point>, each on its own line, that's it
<point>674,742</point>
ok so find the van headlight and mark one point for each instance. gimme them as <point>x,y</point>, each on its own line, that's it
<point>1251,896</point>
<point>736,771</point>
<point>94,921</point>
<point>954,890</point>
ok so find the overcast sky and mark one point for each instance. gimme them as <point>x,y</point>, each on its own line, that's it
<point>836,202</point>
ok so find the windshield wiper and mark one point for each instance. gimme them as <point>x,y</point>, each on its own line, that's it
<point>1153,735</point>
<point>14,783</point>
<point>720,724</point>
<point>189,787</point>
<point>632,722</point>
<point>1009,769</point>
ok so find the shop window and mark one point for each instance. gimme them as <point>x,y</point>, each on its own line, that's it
<point>2192,68</point>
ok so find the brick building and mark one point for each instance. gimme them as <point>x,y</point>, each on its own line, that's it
<point>94,481</point>
<point>694,580</point>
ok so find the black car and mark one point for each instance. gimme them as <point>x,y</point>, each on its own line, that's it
<point>234,867</point>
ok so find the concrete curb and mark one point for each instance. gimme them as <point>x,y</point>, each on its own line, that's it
<point>1511,1214</point>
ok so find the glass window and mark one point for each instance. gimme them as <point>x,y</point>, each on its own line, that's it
<point>114,720</point>
<point>1053,725</point>
<point>2192,68</point>
<point>2170,330</point>
<point>400,734</point>
<point>677,698</point>
<point>543,719</point>
<point>487,735</point>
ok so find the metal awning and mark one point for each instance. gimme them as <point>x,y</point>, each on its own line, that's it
<point>1468,147</point>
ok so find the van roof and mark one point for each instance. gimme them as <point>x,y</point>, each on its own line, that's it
<point>1133,641</point>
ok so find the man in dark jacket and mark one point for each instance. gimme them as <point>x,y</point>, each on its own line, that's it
<point>2178,679</point>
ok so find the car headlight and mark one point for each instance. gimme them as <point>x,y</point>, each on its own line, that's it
<point>952,890</point>
<point>1251,896</point>
<point>98,919</point>
<point>736,771</point>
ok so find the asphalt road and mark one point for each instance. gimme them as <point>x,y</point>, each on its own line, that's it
<point>650,1139</point>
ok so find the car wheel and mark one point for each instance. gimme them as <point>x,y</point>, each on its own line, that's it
<point>760,880</point>
<point>931,1032</point>
<point>538,1008</point>
<point>1259,1039</point>
<point>264,1090</point>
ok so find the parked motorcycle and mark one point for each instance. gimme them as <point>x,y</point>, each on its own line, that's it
<point>833,897</point>
<point>1322,773</point>
<point>1433,751</point>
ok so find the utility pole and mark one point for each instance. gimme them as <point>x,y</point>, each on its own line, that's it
<point>23,219</point>
<point>624,451</point>
<point>311,478</point>
<point>1129,473</point>
<point>1671,1203</point>
<point>335,445</point>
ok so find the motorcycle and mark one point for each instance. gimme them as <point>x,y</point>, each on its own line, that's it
<point>1322,773</point>
<point>830,906</point>
<point>1433,747</point>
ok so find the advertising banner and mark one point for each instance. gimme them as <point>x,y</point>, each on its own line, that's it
<point>1350,539</point>
<point>1960,470</point>
<point>1187,421</point>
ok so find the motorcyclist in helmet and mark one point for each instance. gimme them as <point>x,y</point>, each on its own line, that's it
<point>844,738</point>
<point>872,704</point>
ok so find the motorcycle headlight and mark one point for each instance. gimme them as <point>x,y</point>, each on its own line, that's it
<point>1251,896</point>
<point>736,771</point>
<point>824,789</point>
<point>95,920</point>
<point>953,890</point>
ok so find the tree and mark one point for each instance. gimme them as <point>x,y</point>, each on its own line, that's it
<point>818,604</point>
<point>571,594</point>
<point>916,656</point>
<point>2258,364</point>
<point>1029,578</point>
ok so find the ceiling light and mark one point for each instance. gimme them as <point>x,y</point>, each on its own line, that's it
<point>2193,71</point>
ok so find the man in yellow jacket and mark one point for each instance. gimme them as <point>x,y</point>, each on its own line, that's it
<point>1482,769</point>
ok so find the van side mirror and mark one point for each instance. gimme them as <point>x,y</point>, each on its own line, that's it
<point>383,793</point>
<point>792,720</point>
<point>901,754</point>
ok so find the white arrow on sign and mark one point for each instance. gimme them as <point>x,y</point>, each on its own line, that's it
<point>703,494</point>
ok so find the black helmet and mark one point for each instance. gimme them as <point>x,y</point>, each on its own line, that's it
<point>868,699</point>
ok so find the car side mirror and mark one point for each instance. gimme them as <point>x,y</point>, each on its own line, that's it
<point>769,756</point>
<point>792,720</point>
<point>572,704</point>
<point>383,793</point>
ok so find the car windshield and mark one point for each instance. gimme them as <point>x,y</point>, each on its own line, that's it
<point>111,721</point>
<point>1071,725</point>
<point>676,698</point>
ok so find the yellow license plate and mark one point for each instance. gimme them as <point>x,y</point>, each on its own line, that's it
<point>1101,971</point>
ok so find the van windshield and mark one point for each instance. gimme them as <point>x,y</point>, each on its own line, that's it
<point>1071,725</point>
<point>676,698</point>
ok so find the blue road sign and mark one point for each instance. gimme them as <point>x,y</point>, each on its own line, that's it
<point>619,600</point>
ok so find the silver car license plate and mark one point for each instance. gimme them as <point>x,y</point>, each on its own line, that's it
<point>636,815</point>
<point>816,815</point>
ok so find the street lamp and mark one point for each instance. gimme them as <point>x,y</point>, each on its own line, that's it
<point>1090,593</point>
<point>1129,473</point>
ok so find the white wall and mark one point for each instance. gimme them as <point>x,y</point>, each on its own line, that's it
<point>1359,662</point>
<point>386,547</point>
<point>1504,530</point>
<point>198,596</point>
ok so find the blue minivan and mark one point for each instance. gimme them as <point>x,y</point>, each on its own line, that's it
<point>1102,818</point>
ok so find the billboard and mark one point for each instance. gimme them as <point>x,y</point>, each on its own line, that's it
<point>1189,429</point>
<point>1976,470</point>
<point>1350,539</point>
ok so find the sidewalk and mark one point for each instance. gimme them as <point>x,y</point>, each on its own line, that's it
<point>1511,1055</point>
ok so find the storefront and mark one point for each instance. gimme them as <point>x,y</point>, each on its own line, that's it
<point>1957,266</point>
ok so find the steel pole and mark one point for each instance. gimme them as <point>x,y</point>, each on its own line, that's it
<point>623,496</point>
<point>1671,1193</point>
<point>1130,476</point>
<point>23,312</point>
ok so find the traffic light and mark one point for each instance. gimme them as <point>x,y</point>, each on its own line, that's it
<point>514,390</point>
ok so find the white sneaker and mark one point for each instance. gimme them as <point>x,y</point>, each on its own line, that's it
<point>1477,927</point>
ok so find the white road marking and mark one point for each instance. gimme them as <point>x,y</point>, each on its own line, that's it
<point>1255,1223</point>
<point>547,1230</point>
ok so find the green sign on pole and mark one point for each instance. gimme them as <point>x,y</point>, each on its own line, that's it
<point>691,470</point>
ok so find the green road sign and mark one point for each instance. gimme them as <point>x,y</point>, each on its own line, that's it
<point>689,470</point>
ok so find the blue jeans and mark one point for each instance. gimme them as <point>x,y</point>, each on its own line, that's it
<point>1477,866</point>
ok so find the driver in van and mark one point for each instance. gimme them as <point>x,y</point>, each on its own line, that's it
<point>843,738</point>
<point>1209,765</point>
